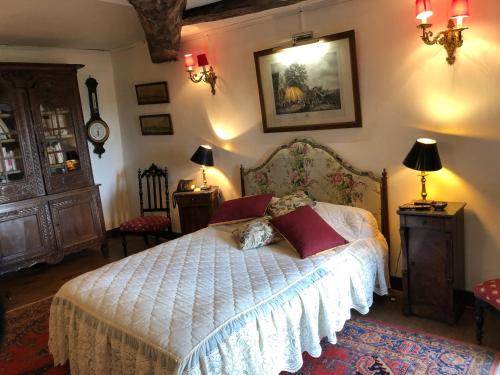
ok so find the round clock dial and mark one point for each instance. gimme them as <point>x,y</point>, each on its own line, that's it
<point>98,131</point>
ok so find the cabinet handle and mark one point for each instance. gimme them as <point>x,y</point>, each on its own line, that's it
<point>192,199</point>
<point>424,222</point>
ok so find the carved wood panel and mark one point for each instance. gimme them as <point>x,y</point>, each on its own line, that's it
<point>26,235</point>
<point>77,220</point>
<point>20,172</point>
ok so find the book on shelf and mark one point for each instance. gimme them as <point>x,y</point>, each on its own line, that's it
<point>10,162</point>
<point>4,130</point>
<point>59,155</point>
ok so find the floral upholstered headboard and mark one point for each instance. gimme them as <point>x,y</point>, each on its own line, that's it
<point>322,174</point>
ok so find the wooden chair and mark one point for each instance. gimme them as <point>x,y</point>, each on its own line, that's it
<point>487,296</point>
<point>158,201</point>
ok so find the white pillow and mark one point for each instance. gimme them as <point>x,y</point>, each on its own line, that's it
<point>352,223</point>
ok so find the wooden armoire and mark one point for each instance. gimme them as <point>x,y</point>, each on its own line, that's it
<point>49,204</point>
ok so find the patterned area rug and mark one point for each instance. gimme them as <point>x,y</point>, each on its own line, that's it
<point>365,347</point>
<point>25,348</point>
<point>369,347</point>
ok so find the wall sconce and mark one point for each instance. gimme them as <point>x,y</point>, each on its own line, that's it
<point>207,76</point>
<point>451,38</point>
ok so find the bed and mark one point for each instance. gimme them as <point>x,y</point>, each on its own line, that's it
<point>198,305</point>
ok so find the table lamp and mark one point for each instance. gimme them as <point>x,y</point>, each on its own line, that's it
<point>423,157</point>
<point>204,157</point>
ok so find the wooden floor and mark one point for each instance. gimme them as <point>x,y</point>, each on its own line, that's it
<point>43,280</point>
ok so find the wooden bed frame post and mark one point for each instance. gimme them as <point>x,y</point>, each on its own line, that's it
<point>242,180</point>
<point>385,215</point>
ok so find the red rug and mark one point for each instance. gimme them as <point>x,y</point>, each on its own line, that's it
<point>364,347</point>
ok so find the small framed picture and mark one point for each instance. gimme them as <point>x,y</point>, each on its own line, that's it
<point>156,124</point>
<point>152,93</point>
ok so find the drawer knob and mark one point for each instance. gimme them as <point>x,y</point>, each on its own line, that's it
<point>424,222</point>
<point>192,199</point>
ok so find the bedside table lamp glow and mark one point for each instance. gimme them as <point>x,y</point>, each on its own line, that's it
<point>423,157</point>
<point>204,157</point>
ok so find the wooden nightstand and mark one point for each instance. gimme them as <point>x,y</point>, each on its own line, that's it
<point>433,262</point>
<point>196,208</point>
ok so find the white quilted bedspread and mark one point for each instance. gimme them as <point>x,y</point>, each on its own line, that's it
<point>198,305</point>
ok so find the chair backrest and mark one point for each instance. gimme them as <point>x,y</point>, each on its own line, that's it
<point>156,197</point>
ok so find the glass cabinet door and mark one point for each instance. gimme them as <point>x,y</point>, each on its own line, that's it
<point>11,158</point>
<point>61,132</point>
<point>20,175</point>
<point>59,141</point>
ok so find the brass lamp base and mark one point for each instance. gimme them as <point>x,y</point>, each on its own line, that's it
<point>423,180</point>
<point>205,186</point>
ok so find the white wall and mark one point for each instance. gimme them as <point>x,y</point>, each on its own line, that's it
<point>407,91</point>
<point>108,171</point>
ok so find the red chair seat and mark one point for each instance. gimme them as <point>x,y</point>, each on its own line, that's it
<point>489,292</point>
<point>146,224</point>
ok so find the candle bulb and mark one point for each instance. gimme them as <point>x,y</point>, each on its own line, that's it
<point>189,61</point>
<point>423,10</point>
<point>459,10</point>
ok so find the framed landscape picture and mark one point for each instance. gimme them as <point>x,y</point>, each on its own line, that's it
<point>156,124</point>
<point>152,93</point>
<point>309,87</point>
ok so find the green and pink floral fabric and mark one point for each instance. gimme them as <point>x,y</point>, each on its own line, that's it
<point>318,171</point>
<point>256,233</point>
<point>288,203</point>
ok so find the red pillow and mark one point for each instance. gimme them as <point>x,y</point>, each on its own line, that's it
<point>307,232</point>
<point>241,209</point>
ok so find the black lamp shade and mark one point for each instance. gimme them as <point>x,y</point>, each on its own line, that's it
<point>423,156</point>
<point>203,156</point>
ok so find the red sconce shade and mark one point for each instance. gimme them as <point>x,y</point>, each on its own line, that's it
<point>459,8</point>
<point>189,60</point>
<point>423,8</point>
<point>202,60</point>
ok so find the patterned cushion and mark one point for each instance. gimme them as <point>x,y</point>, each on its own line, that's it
<point>146,224</point>
<point>489,291</point>
<point>288,203</point>
<point>256,233</point>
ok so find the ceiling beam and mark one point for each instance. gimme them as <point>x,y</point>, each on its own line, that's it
<point>231,8</point>
<point>162,23</point>
<point>162,20</point>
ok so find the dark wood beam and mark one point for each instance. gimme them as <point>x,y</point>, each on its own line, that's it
<point>162,23</point>
<point>162,20</point>
<point>231,8</point>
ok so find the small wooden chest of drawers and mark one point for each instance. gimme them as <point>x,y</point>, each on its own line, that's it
<point>196,208</point>
<point>433,262</point>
